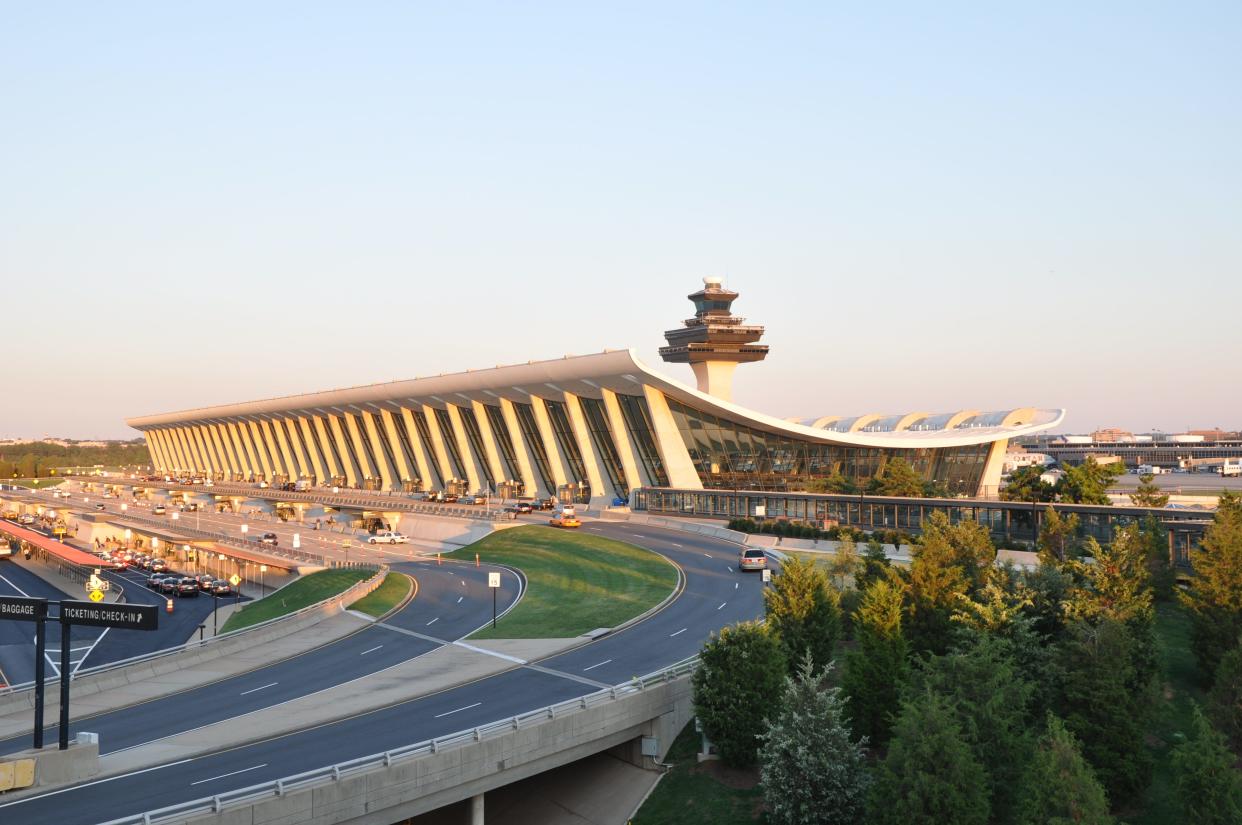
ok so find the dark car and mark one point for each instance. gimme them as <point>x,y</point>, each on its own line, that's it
<point>187,587</point>
<point>158,566</point>
<point>221,588</point>
<point>204,581</point>
<point>523,507</point>
<point>545,504</point>
<point>270,538</point>
<point>168,584</point>
<point>155,580</point>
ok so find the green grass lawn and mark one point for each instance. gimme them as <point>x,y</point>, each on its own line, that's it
<point>1179,688</point>
<point>35,483</point>
<point>390,593</point>
<point>302,593</point>
<point>576,582</point>
<point>706,794</point>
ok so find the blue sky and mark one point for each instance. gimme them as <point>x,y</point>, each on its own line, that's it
<point>930,206</point>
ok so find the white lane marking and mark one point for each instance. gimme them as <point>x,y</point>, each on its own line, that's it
<point>709,555</point>
<point>722,604</point>
<point>678,633</point>
<point>459,710</point>
<point>463,582</point>
<point>109,779</point>
<point>459,598</point>
<point>592,667</point>
<point>226,775</point>
<point>89,648</point>
<point>255,690</point>
<point>372,650</point>
<point>433,621</point>
<point>730,569</point>
<point>675,544</point>
<point>735,585</point>
<point>15,587</point>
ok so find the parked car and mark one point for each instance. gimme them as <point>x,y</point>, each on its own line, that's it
<point>220,587</point>
<point>187,587</point>
<point>388,537</point>
<point>270,538</point>
<point>204,582</point>
<point>168,584</point>
<point>752,558</point>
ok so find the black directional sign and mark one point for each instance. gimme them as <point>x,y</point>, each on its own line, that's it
<point>22,610</point>
<point>121,616</point>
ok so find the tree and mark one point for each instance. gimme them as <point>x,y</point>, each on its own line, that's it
<point>1057,537</point>
<point>812,771</point>
<point>1225,699</point>
<point>875,563</point>
<point>1058,787</point>
<point>804,612</point>
<point>1208,785</point>
<point>1095,698</point>
<point>740,671</point>
<point>876,668</point>
<point>897,478</point>
<point>1148,494</point>
<point>989,698</point>
<point>1155,539</point>
<point>1027,484</point>
<point>945,566</point>
<point>834,483</point>
<point>930,775</point>
<point>845,566</point>
<point>1088,483</point>
<point>1214,597</point>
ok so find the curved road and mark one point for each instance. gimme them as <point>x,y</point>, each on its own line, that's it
<point>715,595</point>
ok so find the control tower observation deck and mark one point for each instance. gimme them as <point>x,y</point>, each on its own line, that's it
<point>714,341</point>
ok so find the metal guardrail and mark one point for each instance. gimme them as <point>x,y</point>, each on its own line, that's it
<point>195,645</point>
<point>334,773</point>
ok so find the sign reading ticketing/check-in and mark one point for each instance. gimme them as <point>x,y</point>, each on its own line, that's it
<point>16,608</point>
<point>121,616</point>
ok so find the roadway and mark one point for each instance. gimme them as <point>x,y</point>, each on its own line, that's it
<point>716,594</point>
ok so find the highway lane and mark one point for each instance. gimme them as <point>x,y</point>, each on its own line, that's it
<point>17,638</point>
<point>442,599</point>
<point>672,634</point>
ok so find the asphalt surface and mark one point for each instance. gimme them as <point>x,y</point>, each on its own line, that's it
<point>715,595</point>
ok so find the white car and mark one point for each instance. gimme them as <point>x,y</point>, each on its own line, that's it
<point>388,537</point>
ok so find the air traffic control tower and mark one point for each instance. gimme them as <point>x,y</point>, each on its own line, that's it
<point>714,341</point>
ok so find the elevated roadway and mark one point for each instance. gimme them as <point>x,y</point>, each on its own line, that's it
<point>715,594</point>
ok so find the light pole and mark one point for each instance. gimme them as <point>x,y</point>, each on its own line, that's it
<point>262,570</point>
<point>245,528</point>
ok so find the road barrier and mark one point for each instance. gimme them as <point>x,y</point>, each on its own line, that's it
<point>329,774</point>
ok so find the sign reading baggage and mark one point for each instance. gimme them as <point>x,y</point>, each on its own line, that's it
<point>22,609</point>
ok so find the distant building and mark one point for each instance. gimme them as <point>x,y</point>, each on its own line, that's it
<point>1110,435</point>
<point>1018,458</point>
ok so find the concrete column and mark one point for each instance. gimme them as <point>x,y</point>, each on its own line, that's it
<point>421,451</point>
<point>386,470</point>
<point>156,461</point>
<point>360,452</point>
<point>204,449</point>
<point>282,441</point>
<point>673,452</point>
<point>350,469</point>
<point>237,429</point>
<point>161,449</point>
<point>321,429</point>
<point>989,481</point>
<point>224,448</point>
<point>601,487</point>
<point>476,809</point>
<point>260,448</point>
<point>437,444</point>
<point>191,460</point>
<point>557,463</point>
<point>312,449</point>
<point>631,464</point>
<point>220,466</point>
<point>473,474</point>
<point>281,465</point>
<point>525,454</point>
<point>500,470</point>
<point>290,425</point>
<point>403,468</point>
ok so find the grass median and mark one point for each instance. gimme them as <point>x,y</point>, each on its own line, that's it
<point>36,483</point>
<point>293,597</point>
<point>391,592</point>
<point>576,582</point>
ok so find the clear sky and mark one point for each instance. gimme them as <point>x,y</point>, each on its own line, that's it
<point>930,205</point>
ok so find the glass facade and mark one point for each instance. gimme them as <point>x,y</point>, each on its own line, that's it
<point>508,455</point>
<point>559,416</point>
<point>530,432</point>
<point>367,447</point>
<point>471,425</point>
<point>642,434</point>
<point>403,436</point>
<point>384,445</point>
<point>605,445</point>
<point>349,442</point>
<point>733,456</point>
<point>424,432</point>
<point>448,436</point>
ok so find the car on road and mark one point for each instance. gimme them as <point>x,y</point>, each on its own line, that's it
<point>204,581</point>
<point>168,584</point>
<point>564,520</point>
<point>521,508</point>
<point>27,519</point>
<point>751,558</point>
<point>154,580</point>
<point>159,509</point>
<point>99,507</point>
<point>220,587</point>
<point>158,566</point>
<point>270,538</point>
<point>187,587</point>
<point>388,537</point>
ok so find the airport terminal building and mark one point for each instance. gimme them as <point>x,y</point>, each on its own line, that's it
<point>589,428</point>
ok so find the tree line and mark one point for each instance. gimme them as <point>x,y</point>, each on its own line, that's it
<point>38,460</point>
<point>961,690</point>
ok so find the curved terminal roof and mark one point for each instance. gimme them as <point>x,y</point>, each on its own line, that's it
<point>621,371</point>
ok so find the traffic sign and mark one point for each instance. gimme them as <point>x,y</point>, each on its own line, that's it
<point>767,575</point>
<point>96,596</point>
<point>493,580</point>
<point>21,609</point>
<point>96,583</point>
<point>234,579</point>
<point>121,616</point>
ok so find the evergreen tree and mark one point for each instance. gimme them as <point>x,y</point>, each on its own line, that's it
<point>804,611</point>
<point>989,697</point>
<point>1058,787</point>
<point>1214,597</point>
<point>1148,494</point>
<point>1026,484</point>
<point>740,671</point>
<point>1209,787</point>
<point>1096,676</point>
<point>835,483</point>
<point>897,478</point>
<point>946,565</point>
<point>930,776</point>
<point>845,565</point>
<point>1048,588</point>
<point>1225,700</point>
<point>1057,538</point>
<point>875,564</point>
<point>876,668</point>
<point>812,771</point>
<point>1088,483</point>
<point>1155,539</point>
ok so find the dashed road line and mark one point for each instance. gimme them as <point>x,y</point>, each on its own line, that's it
<point>459,598</point>
<point>678,633</point>
<point>371,650</point>
<point>226,775</point>
<point>433,621</point>
<point>722,604</point>
<point>459,710</point>
<point>256,690</point>
<point>599,664</point>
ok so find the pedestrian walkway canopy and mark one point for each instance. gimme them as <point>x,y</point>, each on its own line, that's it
<point>50,545</point>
